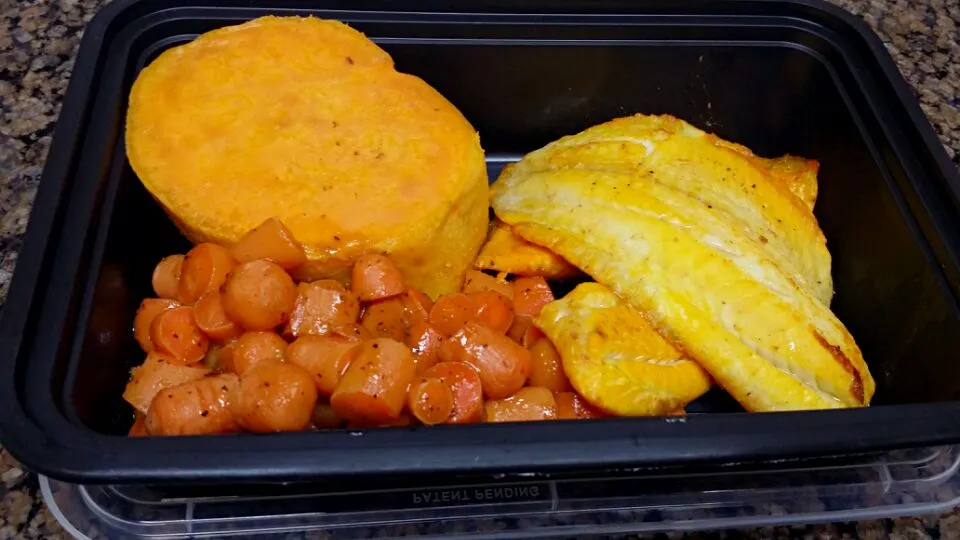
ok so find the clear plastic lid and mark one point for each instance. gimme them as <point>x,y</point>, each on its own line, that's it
<point>902,483</point>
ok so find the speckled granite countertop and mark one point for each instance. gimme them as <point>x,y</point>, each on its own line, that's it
<point>38,39</point>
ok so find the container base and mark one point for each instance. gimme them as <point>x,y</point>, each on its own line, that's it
<point>903,483</point>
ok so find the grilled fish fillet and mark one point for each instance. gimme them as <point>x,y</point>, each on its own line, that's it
<point>504,251</point>
<point>615,359</point>
<point>753,194</point>
<point>688,244</point>
<point>797,174</point>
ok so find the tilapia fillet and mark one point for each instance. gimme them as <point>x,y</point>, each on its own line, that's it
<point>701,274</point>
<point>615,359</point>
<point>769,200</point>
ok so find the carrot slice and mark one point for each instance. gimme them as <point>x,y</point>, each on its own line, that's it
<point>424,340</point>
<point>530,295</point>
<point>430,400</point>
<point>166,276</point>
<point>503,365</point>
<point>374,387</point>
<point>451,312</point>
<point>467,390</point>
<point>213,320</point>
<point>477,281</point>
<point>255,347</point>
<point>326,358</point>
<point>385,319</point>
<point>531,336</point>
<point>157,373</point>
<point>204,269</point>
<point>148,310</point>
<point>546,367</point>
<point>375,277</point>
<point>416,305</point>
<point>273,241</point>
<point>524,332</point>
<point>194,408</point>
<point>528,404</point>
<point>521,323</point>
<point>274,396</point>
<point>570,406</point>
<point>175,332</point>
<point>493,310</point>
<point>322,306</point>
<point>259,295</point>
<point>351,331</point>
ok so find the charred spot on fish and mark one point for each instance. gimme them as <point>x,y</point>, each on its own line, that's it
<point>856,387</point>
<point>763,239</point>
<point>350,60</point>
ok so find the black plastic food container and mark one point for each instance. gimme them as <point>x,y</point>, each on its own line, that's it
<point>797,77</point>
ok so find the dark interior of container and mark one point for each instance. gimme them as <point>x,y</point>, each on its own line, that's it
<point>775,98</point>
